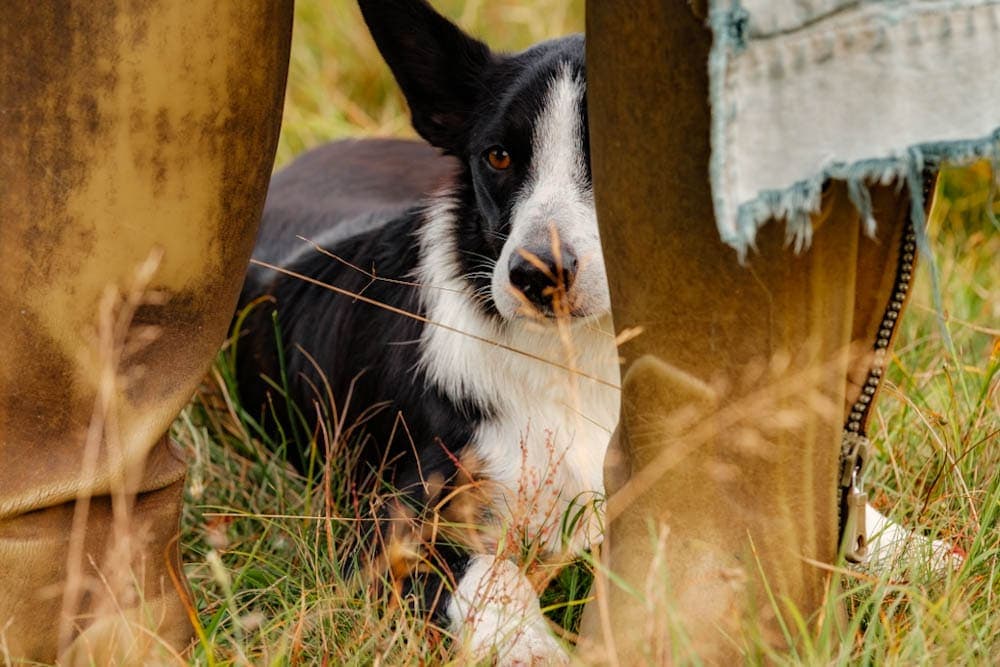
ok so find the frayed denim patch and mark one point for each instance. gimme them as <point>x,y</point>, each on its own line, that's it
<point>865,91</point>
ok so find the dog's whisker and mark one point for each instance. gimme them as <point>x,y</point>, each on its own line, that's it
<point>413,341</point>
<point>500,236</point>
<point>490,261</point>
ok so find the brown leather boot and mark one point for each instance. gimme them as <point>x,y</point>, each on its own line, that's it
<point>137,145</point>
<point>723,474</point>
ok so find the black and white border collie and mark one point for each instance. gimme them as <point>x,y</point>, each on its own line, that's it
<point>505,381</point>
<point>502,255</point>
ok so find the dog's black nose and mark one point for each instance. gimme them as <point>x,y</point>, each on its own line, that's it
<point>538,274</point>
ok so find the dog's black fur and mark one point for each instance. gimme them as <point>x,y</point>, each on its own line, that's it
<point>358,199</point>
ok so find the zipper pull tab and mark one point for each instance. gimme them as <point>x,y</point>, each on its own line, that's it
<point>855,451</point>
<point>855,530</point>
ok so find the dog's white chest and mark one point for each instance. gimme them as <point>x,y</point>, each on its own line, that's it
<point>544,462</point>
<point>542,448</point>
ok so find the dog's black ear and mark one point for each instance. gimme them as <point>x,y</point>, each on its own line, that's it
<point>438,67</point>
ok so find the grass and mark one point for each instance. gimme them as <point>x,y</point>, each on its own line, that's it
<point>262,544</point>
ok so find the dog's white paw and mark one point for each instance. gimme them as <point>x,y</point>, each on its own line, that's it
<point>892,547</point>
<point>495,614</point>
<point>525,645</point>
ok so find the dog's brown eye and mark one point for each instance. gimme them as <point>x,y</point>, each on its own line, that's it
<point>498,157</point>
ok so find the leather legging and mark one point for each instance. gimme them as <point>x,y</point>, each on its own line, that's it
<point>137,143</point>
<point>723,473</point>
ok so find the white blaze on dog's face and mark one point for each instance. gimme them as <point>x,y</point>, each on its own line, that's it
<point>552,224</point>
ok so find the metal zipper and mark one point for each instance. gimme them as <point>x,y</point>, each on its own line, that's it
<point>855,449</point>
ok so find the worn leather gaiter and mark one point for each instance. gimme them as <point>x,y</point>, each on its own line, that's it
<point>137,141</point>
<point>738,378</point>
